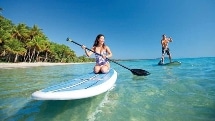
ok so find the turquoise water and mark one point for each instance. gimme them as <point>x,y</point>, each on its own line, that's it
<point>179,93</point>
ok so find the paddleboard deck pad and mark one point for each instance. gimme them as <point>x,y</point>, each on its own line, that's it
<point>85,86</point>
<point>174,63</point>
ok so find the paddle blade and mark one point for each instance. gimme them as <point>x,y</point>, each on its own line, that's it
<point>140,72</point>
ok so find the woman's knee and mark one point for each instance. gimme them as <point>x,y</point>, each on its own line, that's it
<point>105,69</point>
<point>96,69</point>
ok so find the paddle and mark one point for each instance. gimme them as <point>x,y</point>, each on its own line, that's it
<point>138,72</point>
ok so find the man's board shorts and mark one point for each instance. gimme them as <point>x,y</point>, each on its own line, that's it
<point>167,51</point>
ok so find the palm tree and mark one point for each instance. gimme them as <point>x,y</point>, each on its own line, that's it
<point>5,33</point>
<point>20,32</point>
<point>32,44</point>
<point>44,47</point>
<point>14,48</point>
<point>40,45</point>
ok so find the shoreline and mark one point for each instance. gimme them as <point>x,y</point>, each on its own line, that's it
<point>36,64</point>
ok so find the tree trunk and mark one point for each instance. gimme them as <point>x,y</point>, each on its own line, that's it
<point>15,59</point>
<point>29,55</point>
<point>32,55</point>
<point>8,58</point>
<point>46,57</point>
<point>37,57</point>
<point>25,57</point>
<point>3,53</point>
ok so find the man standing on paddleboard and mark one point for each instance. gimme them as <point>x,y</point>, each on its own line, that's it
<point>165,49</point>
<point>102,52</point>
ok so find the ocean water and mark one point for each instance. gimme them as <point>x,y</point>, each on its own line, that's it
<point>184,92</point>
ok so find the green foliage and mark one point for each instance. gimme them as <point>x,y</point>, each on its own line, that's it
<point>21,43</point>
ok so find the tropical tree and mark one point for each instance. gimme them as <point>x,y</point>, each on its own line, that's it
<point>5,33</point>
<point>14,48</point>
<point>42,48</point>
<point>20,32</point>
<point>33,43</point>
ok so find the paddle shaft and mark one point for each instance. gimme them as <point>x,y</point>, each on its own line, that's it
<point>100,55</point>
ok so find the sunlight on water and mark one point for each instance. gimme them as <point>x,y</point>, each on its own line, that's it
<point>98,110</point>
<point>182,92</point>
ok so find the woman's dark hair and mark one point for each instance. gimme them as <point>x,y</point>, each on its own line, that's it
<point>97,39</point>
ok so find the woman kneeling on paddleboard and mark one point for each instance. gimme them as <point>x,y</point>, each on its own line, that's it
<point>102,52</point>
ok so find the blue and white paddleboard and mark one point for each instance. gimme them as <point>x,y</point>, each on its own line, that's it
<point>84,86</point>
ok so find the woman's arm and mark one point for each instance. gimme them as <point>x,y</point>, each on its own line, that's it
<point>88,53</point>
<point>108,52</point>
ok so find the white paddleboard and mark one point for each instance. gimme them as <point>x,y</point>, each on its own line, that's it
<point>84,86</point>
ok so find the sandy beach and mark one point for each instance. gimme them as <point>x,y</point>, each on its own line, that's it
<point>27,65</point>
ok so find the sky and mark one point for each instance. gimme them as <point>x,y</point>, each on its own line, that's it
<point>133,28</point>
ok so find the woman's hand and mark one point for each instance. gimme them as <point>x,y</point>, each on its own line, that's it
<point>83,47</point>
<point>105,56</point>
